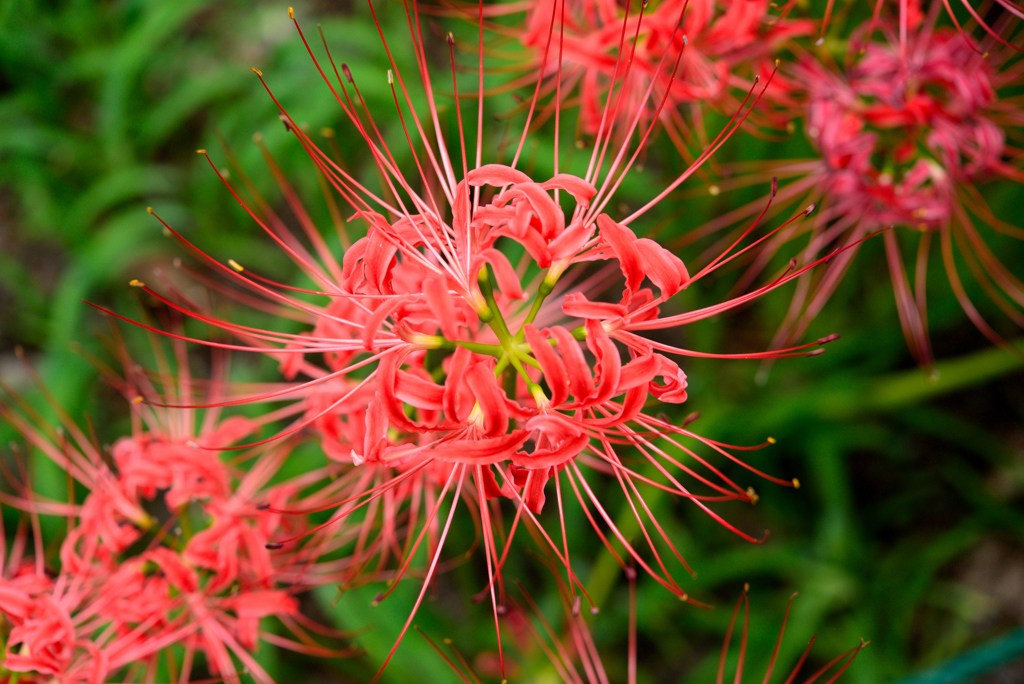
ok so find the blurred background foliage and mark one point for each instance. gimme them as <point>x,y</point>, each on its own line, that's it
<point>908,528</point>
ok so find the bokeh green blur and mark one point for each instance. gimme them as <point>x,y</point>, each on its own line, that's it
<point>908,529</point>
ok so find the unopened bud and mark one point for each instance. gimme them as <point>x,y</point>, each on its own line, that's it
<point>273,546</point>
<point>810,208</point>
<point>775,185</point>
<point>348,73</point>
<point>262,506</point>
<point>829,338</point>
<point>576,603</point>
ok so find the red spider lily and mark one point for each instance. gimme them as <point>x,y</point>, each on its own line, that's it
<point>904,145</point>
<point>578,46</point>
<point>449,371</point>
<point>167,554</point>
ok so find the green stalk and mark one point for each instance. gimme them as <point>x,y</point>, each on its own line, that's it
<point>545,288</point>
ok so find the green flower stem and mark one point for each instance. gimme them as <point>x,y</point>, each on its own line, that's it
<point>911,387</point>
<point>546,287</point>
<point>480,348</point>
<point>497,321</point>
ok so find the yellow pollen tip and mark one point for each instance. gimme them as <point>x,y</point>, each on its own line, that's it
<point>291,13</point>
<point>136,283</point>
<point>752,495</point>
<point>200,151</point>
<point>447,640</point>
<point>746,586</point>
<point>714,190</point>
<point>771,440</point>
<point>257,138</point>
<point>778,62</point>
<point>327,132</point>
<point>391,77</point>
<point>796,483</point>
<point>137,400</point>
<point>235,265</point>
<point>256,71</point>
<point>149,210</point>
<point>984,55</point>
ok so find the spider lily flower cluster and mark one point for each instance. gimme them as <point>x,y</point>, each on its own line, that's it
<point>454,370</point>
<point>164,558</point>
<point>907,131</point>
<point>716,49</point>
<point>904,141</point>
